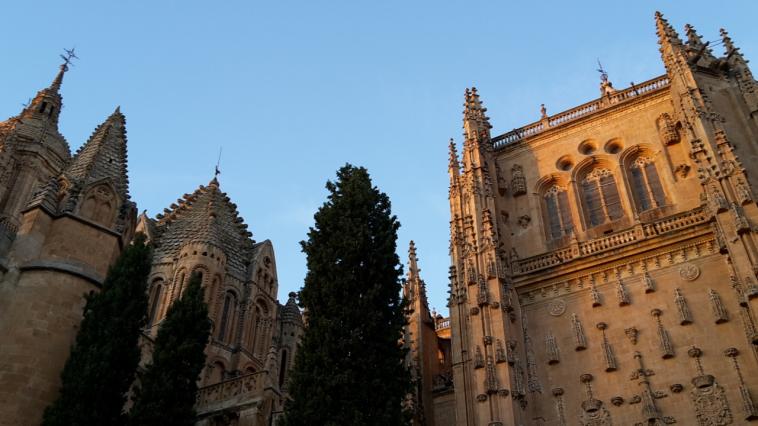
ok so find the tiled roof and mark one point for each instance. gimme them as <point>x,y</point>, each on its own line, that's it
<point>207,216</point>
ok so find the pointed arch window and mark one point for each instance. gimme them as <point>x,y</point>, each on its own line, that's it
<point>155,304</point>
<point>646,184</point>
<point>600,197</point>
<point>227,315</point>
<point>558,214</point>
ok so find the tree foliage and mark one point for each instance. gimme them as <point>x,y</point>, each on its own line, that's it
<point>101,366</point>
<point>166,394</point>
<point>349,369</point>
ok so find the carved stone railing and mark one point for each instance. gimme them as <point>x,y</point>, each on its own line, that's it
<point>580,111</point>
<point>442,324</point>
<point>612,241</point>
<point>229,392</point>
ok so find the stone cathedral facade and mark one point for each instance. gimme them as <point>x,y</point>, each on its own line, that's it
<point>604,259</point>
<point>63,221</point>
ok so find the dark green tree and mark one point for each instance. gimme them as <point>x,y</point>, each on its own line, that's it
<point>166,394</point>
<point>349,368</point>
<point>103,360</point>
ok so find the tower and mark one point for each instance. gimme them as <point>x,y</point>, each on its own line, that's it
<point>602,242</point>
<point>32,150</point>
<point>70,231</point>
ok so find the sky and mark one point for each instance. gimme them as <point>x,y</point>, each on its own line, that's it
<point>293,90</point>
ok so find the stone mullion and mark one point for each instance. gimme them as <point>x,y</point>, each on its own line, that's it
<point>648,189</point>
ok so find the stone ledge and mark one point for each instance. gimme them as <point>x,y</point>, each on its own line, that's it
<point>79,270</point>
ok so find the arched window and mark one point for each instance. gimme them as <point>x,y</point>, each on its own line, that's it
<point>155,304</point>
<point>283,368</point>
<point>646,184</point>
<point>558,214</point>
<point>230,302</point>
<point>600,197</point>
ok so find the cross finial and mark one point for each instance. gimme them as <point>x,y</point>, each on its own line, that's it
<point>68,57</point>
<point>217,171</point>
<point>602,71</point>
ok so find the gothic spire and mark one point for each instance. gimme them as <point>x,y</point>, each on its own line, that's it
<point>732,52</point>
<point>103,156</point>
<point>695,46</point>
<point>415,287</point>
<point>413,270</point>
<point>666,33</point>
<point>475,123</point>
<point>453,163</point>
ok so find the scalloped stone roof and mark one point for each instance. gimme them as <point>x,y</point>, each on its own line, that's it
<point>206,216</point>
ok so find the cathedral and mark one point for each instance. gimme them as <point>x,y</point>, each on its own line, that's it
<point>65,218</point>
<point>604,262</point>
<point>603,259</point>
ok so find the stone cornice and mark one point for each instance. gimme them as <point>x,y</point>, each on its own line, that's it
<point>67,267</point>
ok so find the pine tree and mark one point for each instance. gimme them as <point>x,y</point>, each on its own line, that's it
<point>166,395</point>
<point>349,369</point>
<point>103,360</point>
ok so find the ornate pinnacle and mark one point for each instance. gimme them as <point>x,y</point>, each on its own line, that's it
<point>666,33</point>
<point>453,163</point>
<point>413,269</point>
<point>473,109</point>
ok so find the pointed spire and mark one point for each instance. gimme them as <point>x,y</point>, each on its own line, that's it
<point>453,163</point>
<point>413,270</point>
<point>475,123</point>
<point>56,86</point>
<point>666,33</point>
<point>103,156</point>
<point>732,52</point>
<point>695,46</point>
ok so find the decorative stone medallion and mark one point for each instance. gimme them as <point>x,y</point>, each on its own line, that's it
<point>557,307</point>
<point>689,272</point>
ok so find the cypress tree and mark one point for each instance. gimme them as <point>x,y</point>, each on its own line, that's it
<point>349,369</point>
<point>103,360</point>
<point>166,395</point>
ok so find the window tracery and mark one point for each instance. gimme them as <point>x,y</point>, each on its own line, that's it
<point>558,213</point>
<point>600,197</point>
<point>646,184</point>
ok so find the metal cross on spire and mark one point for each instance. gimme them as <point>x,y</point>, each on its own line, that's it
<point>68,57</point>
<point>218,163</point>
<point>602,71</point>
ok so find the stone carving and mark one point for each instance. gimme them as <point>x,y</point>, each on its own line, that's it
<point>740,221</point>
<point>685,316</point>
<point>632,334</point>
<point>558,394</point>
<point>622,294</point>
<point>478,358</point>
<point>557,307</point>
<point>481,397</point>
<point>711,406</point>
<point>502,186</point>
<point>682,170</point>
<point>650,412</point>
<point>474,310</point>
<point>676,387</point>
<point>578,330</point>
<point>523,221</point>
<point>597,300</point>
<point>518,379</point>
<point>689,272</point>
<point>667,348</point>
<point>510,351</point>
<point>648,283</point>
<point>720,314</point>
<point>617,401</point>
<point>749,409</point>
<point>608,356</point>
<point>593,412</point>
<point>499,351</point>
<point>531,366</point>
<point>491,376</point>
<point>744,195</point>
<point>667,130</point>
<point>518,181</point>
<point>551,346</point>
<point>716,201</point>
<point>482,296</point>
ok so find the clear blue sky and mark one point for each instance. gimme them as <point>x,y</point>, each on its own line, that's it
<point>293,90</point>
